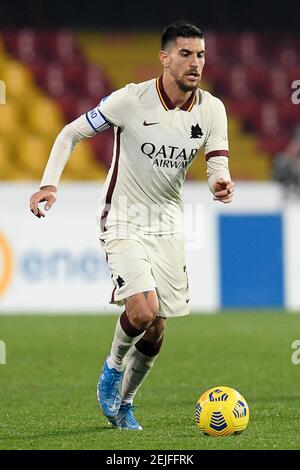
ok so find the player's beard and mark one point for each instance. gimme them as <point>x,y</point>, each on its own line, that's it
<point>185,87</point>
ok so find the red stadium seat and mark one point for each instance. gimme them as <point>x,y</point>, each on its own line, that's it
<point>68,104</point>
<point>54,80</point>
<point>60,46</point>
<point>23,44</point>
<point>246,49</point>
<point>293,74</point>
<point>66,48</point>
<point>257,79</point>
<point>235,83</point>
<point>289,55</point>
<point>103,145</point>
<point>277,85</point>
<point>244,109</point>
<point>212,46</point>
<point>267,120</point>
<point>85,103</point>
<point>275,144</point>
<point>94,83</point>
<point>290,113</point>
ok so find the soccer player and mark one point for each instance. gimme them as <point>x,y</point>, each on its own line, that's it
<point>159,127</point>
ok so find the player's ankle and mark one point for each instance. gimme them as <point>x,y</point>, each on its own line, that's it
<point>115,364</point>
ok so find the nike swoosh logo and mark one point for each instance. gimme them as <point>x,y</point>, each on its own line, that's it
<point>112,408</point>
<point>138,371</point>
<point>149,123</point>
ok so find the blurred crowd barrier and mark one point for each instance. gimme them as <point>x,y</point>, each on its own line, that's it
<point>242,255</point>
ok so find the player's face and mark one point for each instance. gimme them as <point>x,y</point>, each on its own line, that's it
<point>184,59</point>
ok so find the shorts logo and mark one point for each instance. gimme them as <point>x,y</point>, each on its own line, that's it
<point>120,282</point>
<point>6,264</point>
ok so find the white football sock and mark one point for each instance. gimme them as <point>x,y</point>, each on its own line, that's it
<point>120,346</point>
<point>137,369</point>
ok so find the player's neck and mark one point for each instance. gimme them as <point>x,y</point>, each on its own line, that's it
<point>177,96</point>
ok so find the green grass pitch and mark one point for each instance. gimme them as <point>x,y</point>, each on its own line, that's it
<point>47,387</point>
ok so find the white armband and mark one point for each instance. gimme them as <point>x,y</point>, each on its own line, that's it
<point>96,120</point>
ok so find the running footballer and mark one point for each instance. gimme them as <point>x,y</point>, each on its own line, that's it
<point>159,127</point>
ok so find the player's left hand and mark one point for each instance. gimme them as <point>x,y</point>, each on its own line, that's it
<point>223,190</point>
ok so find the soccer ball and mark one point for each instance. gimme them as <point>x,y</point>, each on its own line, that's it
<point>222,411</point>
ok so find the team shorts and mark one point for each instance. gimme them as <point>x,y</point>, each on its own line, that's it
<point>151,263</point>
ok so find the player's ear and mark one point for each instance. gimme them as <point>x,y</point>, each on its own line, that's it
<point>164,58</point>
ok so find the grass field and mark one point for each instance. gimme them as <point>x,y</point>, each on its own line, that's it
<point>47,387</point>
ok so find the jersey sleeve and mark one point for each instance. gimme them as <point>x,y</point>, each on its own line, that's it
<point>116,107</point>
<point>62,148</point>
<point>216,144</point>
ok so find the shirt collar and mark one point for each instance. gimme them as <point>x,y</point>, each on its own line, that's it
<point>167,103</point>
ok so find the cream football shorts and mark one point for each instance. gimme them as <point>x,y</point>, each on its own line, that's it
<point>151,263</point>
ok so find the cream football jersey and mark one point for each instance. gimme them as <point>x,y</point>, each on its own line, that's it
<point>155,143</point>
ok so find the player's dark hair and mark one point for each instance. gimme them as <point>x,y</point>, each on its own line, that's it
<point>182,29</point>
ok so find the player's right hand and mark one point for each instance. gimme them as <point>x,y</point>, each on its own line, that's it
<point>46,194</point>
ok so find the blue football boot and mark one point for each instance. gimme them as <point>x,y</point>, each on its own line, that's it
<point>109,390</point>
<point>125,419</point>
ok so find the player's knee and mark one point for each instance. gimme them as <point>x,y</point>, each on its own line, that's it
<point>142,310</point>
<point>141,319</point>
<point>147,316</point>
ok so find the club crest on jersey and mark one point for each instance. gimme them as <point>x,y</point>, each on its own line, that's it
<point>196,132</point>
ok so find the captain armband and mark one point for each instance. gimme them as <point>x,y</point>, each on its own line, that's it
<point>96,120</point>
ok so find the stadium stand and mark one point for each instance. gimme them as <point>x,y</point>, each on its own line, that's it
<point>48,84</point>
<point>59,75</point>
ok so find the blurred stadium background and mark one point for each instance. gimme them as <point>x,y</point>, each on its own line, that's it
<point>58,60</point>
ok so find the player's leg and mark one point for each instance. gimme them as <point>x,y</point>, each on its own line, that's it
<point>141,310</point>
<point>140,360</point>
<point>169,271</point>
<point>135,287</point>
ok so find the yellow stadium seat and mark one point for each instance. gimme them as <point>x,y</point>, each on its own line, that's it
<point>44,117</point>
<point>7,164</point>
<point>17,79</point>
<point>9,118</point>
<point>82,165</point>
<point>32,155</point>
